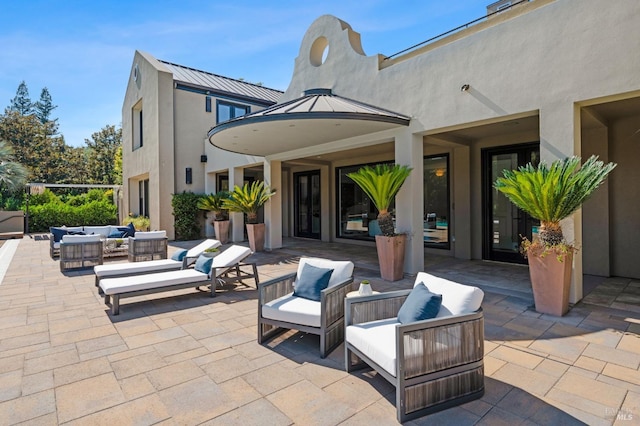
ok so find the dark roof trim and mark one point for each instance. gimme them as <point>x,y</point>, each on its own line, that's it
<point>222,94</point>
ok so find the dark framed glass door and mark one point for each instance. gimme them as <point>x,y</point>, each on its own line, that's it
<point>307,204</point>
<point>504,223</point>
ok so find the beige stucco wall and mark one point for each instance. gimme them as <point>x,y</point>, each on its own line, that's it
<point>156,156</point>
<point>539,59</point>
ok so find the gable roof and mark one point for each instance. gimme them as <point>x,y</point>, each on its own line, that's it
<point>218,84</point>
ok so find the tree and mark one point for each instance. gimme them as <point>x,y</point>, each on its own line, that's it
<point>12,174</point>
<point>102,154</point>
<point>21,103</point>
<point>43,109</point>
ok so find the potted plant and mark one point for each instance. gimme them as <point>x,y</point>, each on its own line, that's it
<point>551,194</point>
<point>211,252</point>
<point>248,200</point>
<point>381,184</point>
<point>215,203</point>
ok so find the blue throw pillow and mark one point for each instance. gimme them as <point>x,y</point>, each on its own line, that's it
<point>179,256</point>
<point>116,234</point>
<point>203,264</point>
<point>420,305</point>
<point>132,230</point>
<point>124,230</point>
<point>77,233</point>
<point>58,233</point>
<point>312,281</point>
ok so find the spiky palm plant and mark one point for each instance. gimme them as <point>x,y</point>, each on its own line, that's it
<point>12,175</point>
<point>248,199</point>
<point>381,184</point>
<point>215,203</point>
<point>551,194</point>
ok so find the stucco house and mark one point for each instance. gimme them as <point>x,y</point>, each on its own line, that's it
<point>541,81</point>
<point>166,113</point>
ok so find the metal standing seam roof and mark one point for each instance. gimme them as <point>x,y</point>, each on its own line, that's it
<point>218,83</point>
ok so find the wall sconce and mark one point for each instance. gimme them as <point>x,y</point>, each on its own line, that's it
<point>439,172</point>
<point>189,176</point>
<point>465,88</point>
<point>203,158</point>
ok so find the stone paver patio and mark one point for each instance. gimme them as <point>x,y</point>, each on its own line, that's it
<point>186,358</point>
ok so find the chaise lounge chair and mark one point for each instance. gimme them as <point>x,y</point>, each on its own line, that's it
<point>226,263</point>
<point>150,266</point>
<point>434,363</point>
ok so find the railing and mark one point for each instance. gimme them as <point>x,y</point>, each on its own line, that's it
<point>461,27</point>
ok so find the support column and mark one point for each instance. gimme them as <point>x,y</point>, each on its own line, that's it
<point>273,207</point>
<point>236,177</point>
<point>560,138</point>
<point>410,200</point>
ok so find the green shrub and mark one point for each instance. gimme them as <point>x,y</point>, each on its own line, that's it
<point>185,211</point>
<point>141,223</point>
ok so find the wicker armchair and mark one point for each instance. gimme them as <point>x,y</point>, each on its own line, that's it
<point>80,251</point>
<point>279,309</point>
<point>434,364</point>
<point>148,246</point>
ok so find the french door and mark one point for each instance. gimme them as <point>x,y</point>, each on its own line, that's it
<point>307,204</point>
<point>504,223</point>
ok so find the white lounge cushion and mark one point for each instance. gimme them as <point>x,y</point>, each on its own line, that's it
<point>456,298</point>
<point>73,228</point>
<point>230,257</point>
<point>293,309</point>
<point>342,270</point>
<point>136,267</point>
<point>200,248</point>
<point>151,235</point>
<point>144,282</point>
<point>105,231</point>
<point>80,238</point>
<point>377,340</point>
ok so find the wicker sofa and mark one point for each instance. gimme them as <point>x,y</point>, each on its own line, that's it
<point>114,237</point>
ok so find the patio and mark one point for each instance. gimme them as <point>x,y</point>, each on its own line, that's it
<point>185,358</point>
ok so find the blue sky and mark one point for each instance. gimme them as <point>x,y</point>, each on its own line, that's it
<point>82,50</point>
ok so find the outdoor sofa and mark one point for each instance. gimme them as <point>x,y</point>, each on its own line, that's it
<point>433,363</point>
<point>114,237</point>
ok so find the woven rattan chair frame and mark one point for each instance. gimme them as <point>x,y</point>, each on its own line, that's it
<point>331,330</point>
<point>428,378</point>
<point>80,254</point>
<point>147,249</point>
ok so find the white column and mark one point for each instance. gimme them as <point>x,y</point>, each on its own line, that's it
<point>273,207</point>
<point>410,200</point>
<point>560,138</point>
<point>236,177</point>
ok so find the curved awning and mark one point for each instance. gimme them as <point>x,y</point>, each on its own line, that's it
<point>317,117</point>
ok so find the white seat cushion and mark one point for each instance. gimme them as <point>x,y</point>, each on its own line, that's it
<point>151,235</point>
<point>342,270</point>
<point>80,238</point>
<point>136,267</point>
<point>148,281</point>
<point>105,231</point>
<point>456,298</point>
<point>377,340</point>
<point>293,309</point>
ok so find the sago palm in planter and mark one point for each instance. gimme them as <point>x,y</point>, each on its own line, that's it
<point>381,184</point>
<point>215,203</point>
<point>551,194</point>
<point>248,200</point>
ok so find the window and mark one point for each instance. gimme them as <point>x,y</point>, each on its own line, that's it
<point>207,103</point>
<point>357,216</point>
<point>226,111</point>
<point>436,202</point>
<point>137,125</point>
<point>143,193</point>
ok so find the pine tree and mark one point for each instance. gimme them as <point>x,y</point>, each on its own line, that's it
<point>43,109</point>
<point>21,103</point>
